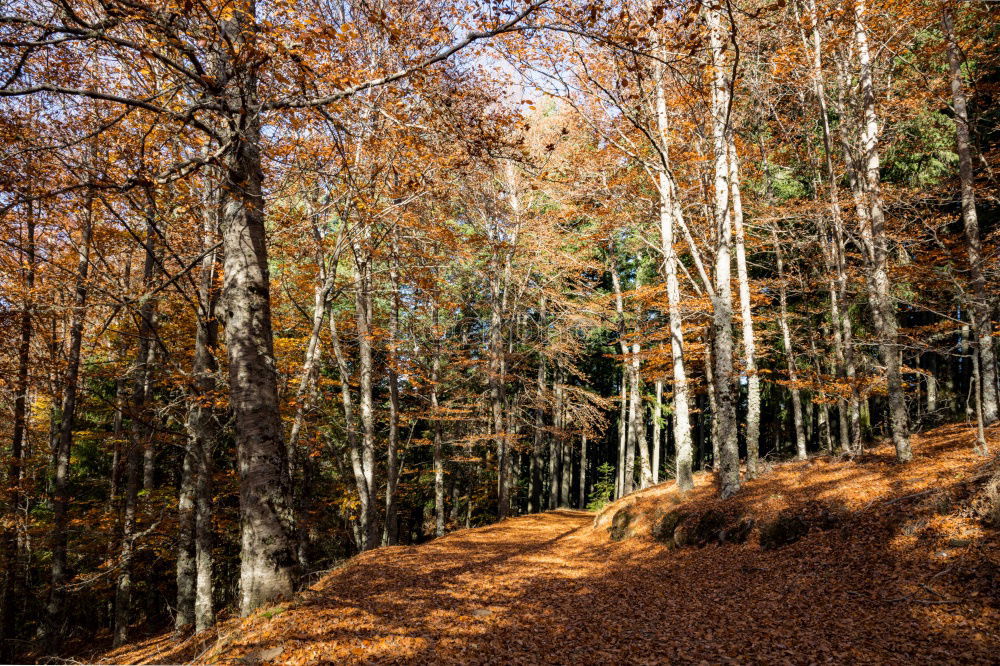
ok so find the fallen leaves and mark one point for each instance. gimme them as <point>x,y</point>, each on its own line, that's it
<point>552,587</point>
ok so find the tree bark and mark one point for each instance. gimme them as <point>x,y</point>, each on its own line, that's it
<point>786,336</point>
<point>439,507</point>
<point>722,311</point>
<point>139,463</point>
<point>667,210</point>
<point>981,306</point>
<point>848,410</point>
<point>535,494</point>
<point>746,316</point>
<point>10,591</point>
<point>351,428</point>
<point>873,235</point>
<point>267,530</point>
<point>657,435</point>
<point>203,427</point>
<point>392,446</point>
<point>64,435</point>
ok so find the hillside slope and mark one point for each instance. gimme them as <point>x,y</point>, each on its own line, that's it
<point>891,567</point>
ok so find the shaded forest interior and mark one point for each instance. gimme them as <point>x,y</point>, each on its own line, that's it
<point>284,281</point>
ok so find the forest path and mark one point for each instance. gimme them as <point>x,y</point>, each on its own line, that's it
<point>552,588</point>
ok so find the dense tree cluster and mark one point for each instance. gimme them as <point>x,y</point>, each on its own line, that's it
<point>284,280</point>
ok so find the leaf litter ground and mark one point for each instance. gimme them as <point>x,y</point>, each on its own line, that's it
<point>908,577</point>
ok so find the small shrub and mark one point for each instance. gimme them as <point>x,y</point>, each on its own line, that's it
<point>601,494</point>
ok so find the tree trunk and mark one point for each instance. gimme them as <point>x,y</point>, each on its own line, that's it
<point>786,336</point>
<point>64,435</point>
<point>622,435</point>
<point>637,424</point>
<point>362,315</point>
<point>873,235</point>
<point>139,461</point>
<point>657,435</point>
<point>535,494</point>
<point>392,446</point>
<point>10,591</point>
<point>497,401</point>
<point>195,595</point>
<point>350,425</point>
<point>722,310</point>
<point>746,315</point>
<point>305,391</point>
<point>981,306</point>
<point>438,445</point>
<point>848,410</point>
<point>187,572</point>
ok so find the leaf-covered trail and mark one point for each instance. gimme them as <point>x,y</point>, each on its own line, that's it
<point>550,588</point>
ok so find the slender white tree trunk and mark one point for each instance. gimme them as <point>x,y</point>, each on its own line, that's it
<point>786,336</point>
<point>722,311</point>
<point>670,213</point>
<point>657,434</point>
<point>746,316</point>
<point>873,234</point>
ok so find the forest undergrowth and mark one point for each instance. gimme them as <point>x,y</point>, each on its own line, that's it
<point>845,560</point>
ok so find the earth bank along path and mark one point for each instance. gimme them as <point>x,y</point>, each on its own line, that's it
<point>552,588</point>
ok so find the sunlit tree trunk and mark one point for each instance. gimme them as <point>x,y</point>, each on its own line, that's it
<point>657,434</point>
<point>438,454</point>
<point>786,336</point>
<point>636,424</point>
<point>392,446</point>
<point>366,406</point>
<point>194,559</point>
<point>622,434</point>
<point>874,237</point>
<point>267,530</point>
<point>351,428</point>
<point>746,316</point>
<point>668,210</point>
<point>722,310</point>
<point>629,427</point>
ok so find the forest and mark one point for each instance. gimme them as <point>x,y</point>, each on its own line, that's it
<point>286,281</point>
